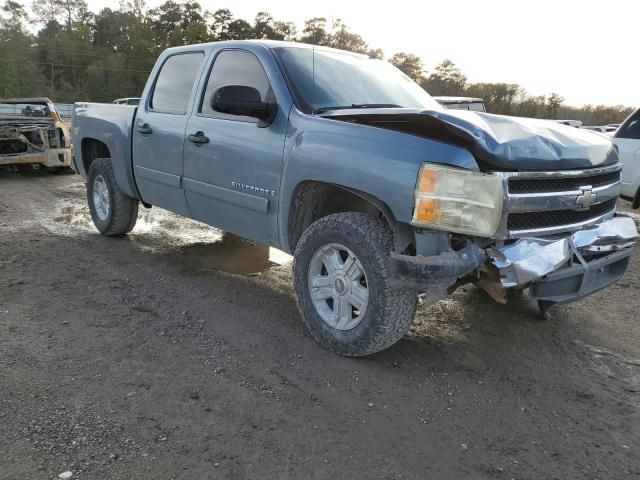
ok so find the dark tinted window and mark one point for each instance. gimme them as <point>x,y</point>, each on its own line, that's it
<point>631,129</point>
<point>236,67</point>
<point>175,82</point>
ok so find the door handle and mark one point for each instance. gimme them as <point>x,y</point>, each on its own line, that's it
<point>198,138</point>
<point>144,129</point>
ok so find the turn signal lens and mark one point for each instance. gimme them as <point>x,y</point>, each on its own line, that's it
<point>427,181</point>
<point>427,210</point>
<point>457,200</point>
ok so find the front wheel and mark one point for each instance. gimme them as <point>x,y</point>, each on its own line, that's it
<point>341,270</point>
<point>112,212</point>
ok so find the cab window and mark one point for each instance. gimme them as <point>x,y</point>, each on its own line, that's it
<point>175,81</point>
<point>236,68</point>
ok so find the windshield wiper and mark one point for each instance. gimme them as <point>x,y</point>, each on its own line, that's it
<point>357,105</point>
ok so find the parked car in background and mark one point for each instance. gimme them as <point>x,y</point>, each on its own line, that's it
<point>32,133</point>
<point>569,123</point>
<point>127,101</point>
<point>377,191</point>
<point>462,103</point>
<point>627,139</point>
<point>607,129</point>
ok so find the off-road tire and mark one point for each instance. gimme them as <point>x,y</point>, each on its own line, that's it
<point>123,211</point>
<point>389,313</point>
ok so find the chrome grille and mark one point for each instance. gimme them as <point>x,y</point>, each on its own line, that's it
<point>546,203</point>
<point>557,218</point>
<point>535,185</point>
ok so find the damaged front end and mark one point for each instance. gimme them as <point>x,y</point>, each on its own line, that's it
<point>556,270</point>
<point>567,268</point>
<point>20,139</point>
<point>31,132</point>
<point>529,259</point>
<point>557,234</point>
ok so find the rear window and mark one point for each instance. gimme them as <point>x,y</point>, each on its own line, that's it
<point>175,82</point>
<point>28,110</point>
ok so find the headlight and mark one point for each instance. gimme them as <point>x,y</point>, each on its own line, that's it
<point>457,200</point>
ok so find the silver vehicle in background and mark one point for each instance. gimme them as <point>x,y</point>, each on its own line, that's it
<point>608,130</point>
<point>462,103</point>
<point>127,101</point>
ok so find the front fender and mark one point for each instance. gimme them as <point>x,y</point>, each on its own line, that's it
<point>378,162</point>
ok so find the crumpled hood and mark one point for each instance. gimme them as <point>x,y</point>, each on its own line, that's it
<point>497,141</point>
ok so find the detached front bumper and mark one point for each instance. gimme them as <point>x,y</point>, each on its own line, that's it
<point>558,269</point>
<point>566,269</point>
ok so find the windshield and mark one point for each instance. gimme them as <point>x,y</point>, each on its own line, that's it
<point>28,110</point>
<point>346,80</point>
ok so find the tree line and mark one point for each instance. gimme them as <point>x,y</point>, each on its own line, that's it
<point>76,54</point>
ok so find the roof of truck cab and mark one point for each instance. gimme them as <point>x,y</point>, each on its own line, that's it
<point>267,43</point>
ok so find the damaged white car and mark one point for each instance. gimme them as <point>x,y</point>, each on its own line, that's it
<point>32,133</point>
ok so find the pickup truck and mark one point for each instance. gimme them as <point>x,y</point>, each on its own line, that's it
<point>378,192</point>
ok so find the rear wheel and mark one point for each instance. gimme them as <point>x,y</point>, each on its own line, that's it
<point>341,269</point>
<point>112,212</point>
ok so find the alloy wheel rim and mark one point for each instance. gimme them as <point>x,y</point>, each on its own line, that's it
<point>101,200</point>
<point>338,286</point>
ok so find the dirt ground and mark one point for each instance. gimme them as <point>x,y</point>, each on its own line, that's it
<point>177,353</point>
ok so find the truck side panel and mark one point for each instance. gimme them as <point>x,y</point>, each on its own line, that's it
<point>112,125</point>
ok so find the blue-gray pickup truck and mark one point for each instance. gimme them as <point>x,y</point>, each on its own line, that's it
<point>377,191</point>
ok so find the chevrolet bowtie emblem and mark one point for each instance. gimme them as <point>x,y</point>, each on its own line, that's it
<point>586,198</point>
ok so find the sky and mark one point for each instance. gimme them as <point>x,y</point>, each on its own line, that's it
<point>584,50</point>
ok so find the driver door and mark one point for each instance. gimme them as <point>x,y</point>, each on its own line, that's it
<point>232,163</point>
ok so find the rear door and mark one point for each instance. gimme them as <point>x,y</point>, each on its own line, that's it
<point>232,180</point>
<point>628,142</point>
<point>158,131</point>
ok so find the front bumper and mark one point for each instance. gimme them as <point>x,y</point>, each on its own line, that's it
<point>567,268</point>
<point>437,272</point>
<point>53,157</point>
<point>580,280</point>
<point>558,269</point>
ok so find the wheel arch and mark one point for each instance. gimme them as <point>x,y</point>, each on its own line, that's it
<point>92,149</point>
<point>312,200</point>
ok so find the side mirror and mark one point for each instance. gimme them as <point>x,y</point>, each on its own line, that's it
<point>242,100</point>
